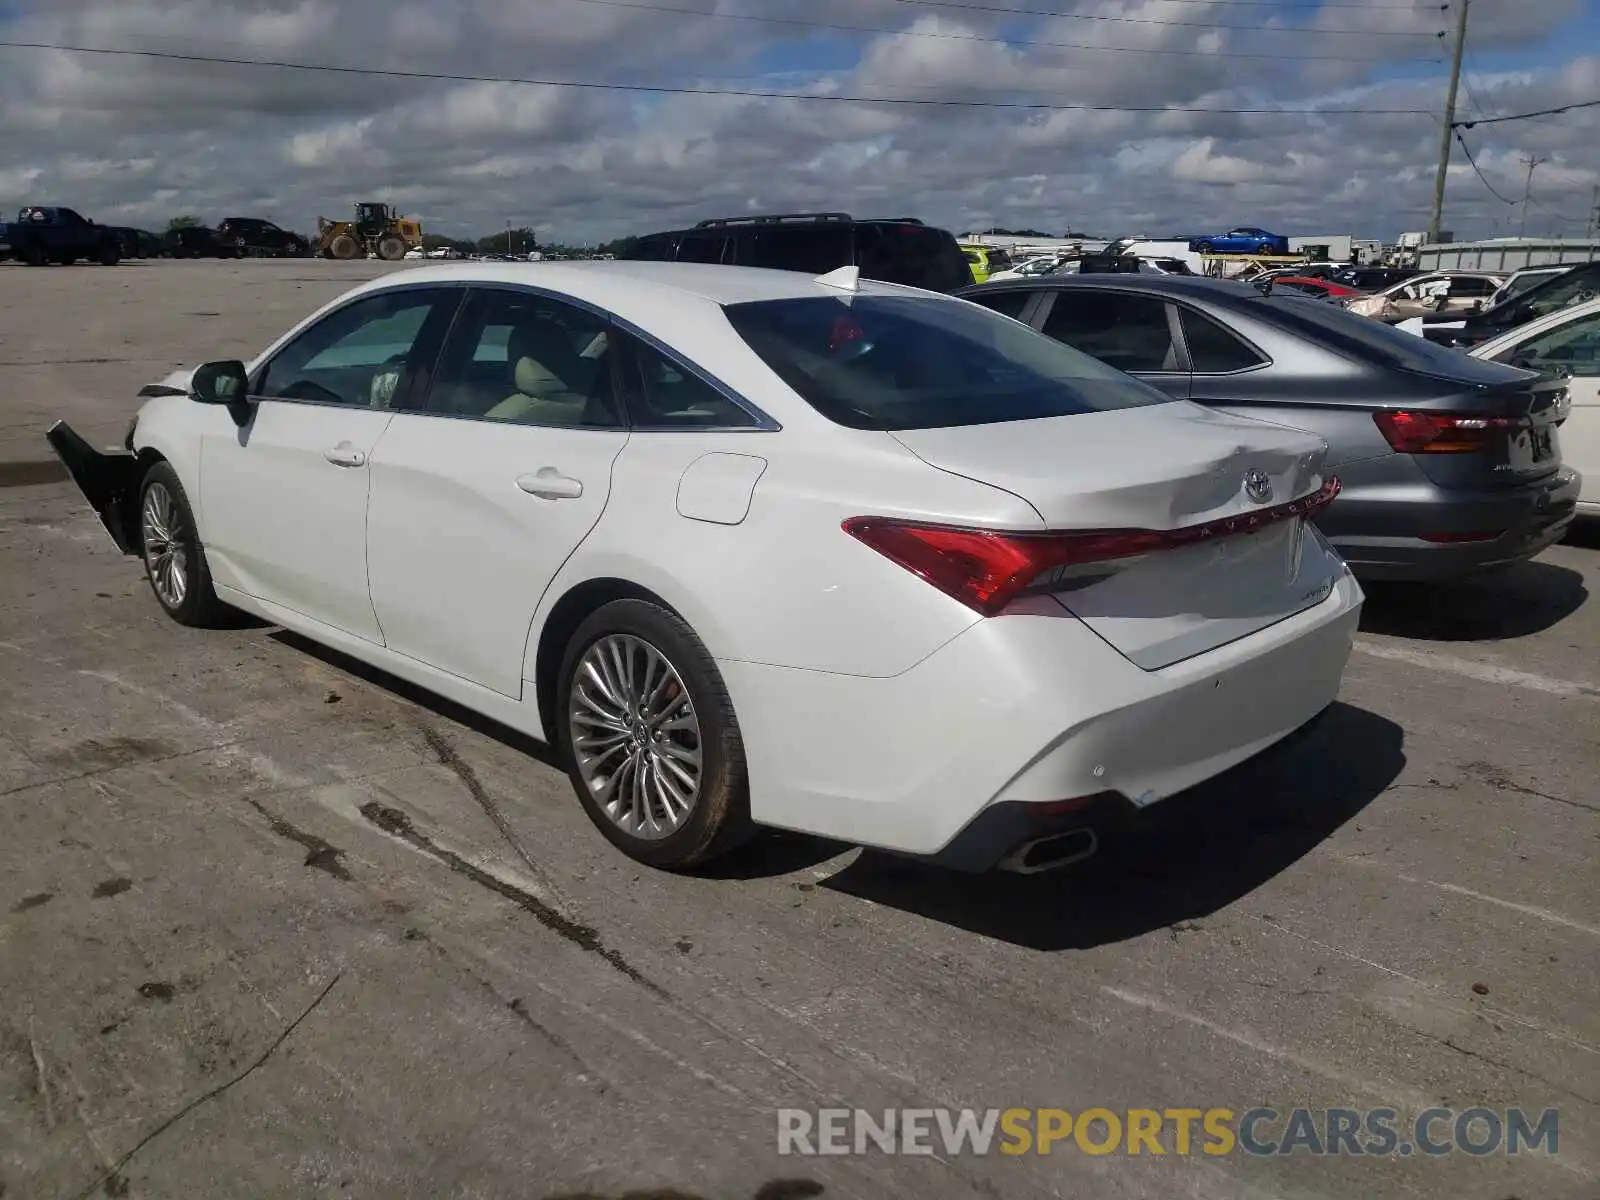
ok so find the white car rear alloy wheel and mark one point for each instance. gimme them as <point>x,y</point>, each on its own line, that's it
<point>635,736</point>
<point>651,740</point>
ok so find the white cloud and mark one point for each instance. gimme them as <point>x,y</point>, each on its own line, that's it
<point>141,139</point>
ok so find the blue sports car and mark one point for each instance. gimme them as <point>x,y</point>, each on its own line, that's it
<point>1242,240</point>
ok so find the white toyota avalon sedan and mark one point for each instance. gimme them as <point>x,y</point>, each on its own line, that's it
<point>755,548</point>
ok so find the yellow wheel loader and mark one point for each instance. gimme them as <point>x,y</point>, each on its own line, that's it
<point>375,231</point>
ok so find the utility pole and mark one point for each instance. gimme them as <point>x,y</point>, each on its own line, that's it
<point>1529,161</point>
<point>1594,222</point>
<point>1449,129</point>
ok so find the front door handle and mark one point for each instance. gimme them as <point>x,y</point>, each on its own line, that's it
<point>550,484</point>
<point>345,455</point>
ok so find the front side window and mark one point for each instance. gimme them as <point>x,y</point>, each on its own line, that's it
<point>526,359</point>
<point>359,355</point>
<point>901,362</point>
<point>1127,332</point>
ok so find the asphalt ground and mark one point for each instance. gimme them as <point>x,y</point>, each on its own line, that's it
<point>274,924</point>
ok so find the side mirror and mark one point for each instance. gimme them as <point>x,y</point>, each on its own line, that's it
<point>223,383</point>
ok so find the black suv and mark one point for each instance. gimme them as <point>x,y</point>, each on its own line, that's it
<point>1574,286</point>
<point>251,235</point>
<point>894,250</point>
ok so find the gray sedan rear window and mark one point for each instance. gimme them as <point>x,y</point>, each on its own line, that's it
<point>1369,340</point>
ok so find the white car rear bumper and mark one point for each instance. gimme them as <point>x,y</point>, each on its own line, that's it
<point>1023,711</point>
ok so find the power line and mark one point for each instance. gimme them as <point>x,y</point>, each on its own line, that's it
<point>1543,112</point>
<point>798,22</point>
<point>670,90</point>
<point>1472,93</point>
<point>1482,178</point>
<point>1061,16</point>
<point>1555,216</point>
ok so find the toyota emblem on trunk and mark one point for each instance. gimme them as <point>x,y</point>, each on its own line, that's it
<point>1257,485</point>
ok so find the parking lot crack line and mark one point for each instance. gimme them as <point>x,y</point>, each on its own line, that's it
<point>42,1078</point>
<point>115,767</point>
<point>451,758</point>
<point>211,1094</point>
<point>1504,1015</point>
<point>1505,1066</point>
<point>398,825</point>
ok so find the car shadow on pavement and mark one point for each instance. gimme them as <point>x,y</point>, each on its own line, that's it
<point>1516,602</point>
<point>1584,533</point>
<point>1179,862</point>
<point>448,709</point>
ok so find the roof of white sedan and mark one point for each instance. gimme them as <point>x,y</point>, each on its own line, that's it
<point>617,285</point>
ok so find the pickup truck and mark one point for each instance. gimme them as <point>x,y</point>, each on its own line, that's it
<point>45,235</point>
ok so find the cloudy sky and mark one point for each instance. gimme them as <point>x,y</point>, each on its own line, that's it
<point>1032,119</point>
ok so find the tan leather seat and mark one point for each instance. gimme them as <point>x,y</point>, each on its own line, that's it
<point>549,375</point>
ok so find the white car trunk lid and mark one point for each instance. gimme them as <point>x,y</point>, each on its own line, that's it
<point>1166,468</point>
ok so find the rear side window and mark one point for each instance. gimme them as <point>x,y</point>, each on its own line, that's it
<point>814,249</point>
<point>1124,331</point>
<point>702,247</point>
<point>663,394</point>
<point>901,362</point>
<point>1009,303</point>
<point>1212,349</point>
<point>655,248</point>
<point>1469,285</point>
<point>913,255</point>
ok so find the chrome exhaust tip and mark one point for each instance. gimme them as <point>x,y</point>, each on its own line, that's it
<point>1050,852</point>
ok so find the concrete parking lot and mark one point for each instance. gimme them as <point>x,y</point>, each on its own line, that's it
<point>273,924</point>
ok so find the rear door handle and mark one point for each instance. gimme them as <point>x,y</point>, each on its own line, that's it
<point>550,484</point>
<point>345,455</point>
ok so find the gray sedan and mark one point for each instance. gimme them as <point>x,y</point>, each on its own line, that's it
<point>1450,465</point>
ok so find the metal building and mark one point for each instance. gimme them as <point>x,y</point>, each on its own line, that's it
<point>1507,254</point>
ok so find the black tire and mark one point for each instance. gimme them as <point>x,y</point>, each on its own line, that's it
<point>33,256</point>
<point>198,605</point>
<point>718,819</point>
<point>110,255</point>
<point>1204,248</point>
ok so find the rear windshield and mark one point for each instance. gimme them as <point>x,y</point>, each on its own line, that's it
<point>901,362</point>
<point>1549,294</point>
<point>1369,340</point>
